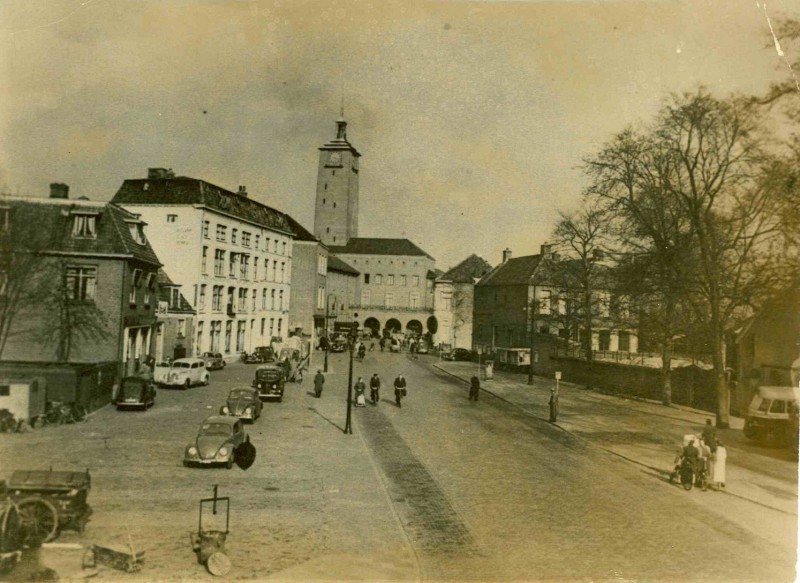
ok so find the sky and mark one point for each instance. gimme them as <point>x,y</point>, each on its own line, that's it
<point>472,117</point>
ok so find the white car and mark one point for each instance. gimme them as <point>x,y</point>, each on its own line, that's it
<point>161,372</point>
<point>186,372</point>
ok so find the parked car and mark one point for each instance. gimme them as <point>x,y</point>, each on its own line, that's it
<point>339,345</point>
<point>161,372</point>
<point>265,353</point>
<point>458,354</point>
<point>186,372</point>
<point>242,403</point>
<point>217,440</point>
<point>135,393</point>
<point>422,348</point>
<point>269,381</point>
<point>770,415</point>
<point>213,360</point>
<point>394,345</point>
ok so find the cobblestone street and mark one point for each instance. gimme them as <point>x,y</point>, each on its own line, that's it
<point>443,489</point>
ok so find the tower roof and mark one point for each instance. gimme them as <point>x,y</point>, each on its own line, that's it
<point>340,141</point>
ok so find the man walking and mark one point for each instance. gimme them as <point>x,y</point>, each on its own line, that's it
<point>399,389</point>
<point>474,388</point>
<point>319,381</point>
<point>553,405</point>
<point>375,388</point>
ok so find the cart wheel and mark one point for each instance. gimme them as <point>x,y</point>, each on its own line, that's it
<point>38,520</point>
<point>10,535</point>
<point>218,564</point>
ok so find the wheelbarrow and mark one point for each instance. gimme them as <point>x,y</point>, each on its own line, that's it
<point>209,545</point>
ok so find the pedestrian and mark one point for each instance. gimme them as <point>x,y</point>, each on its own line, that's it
<point>382,343</point>
<point>710,435</point>
<point>691,454</point>
<point>474,388</point>
<point>361,388</point>
<point>412,346</point>
<point>399,389</point>
<point>488,371</point>
<point>375,388</point>
<point>703,461</point>
<point>146,372</point>
<point>319,381</point>
<point>720,458</point>
<point>553,405</point>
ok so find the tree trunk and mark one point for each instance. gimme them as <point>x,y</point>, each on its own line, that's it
<point>723,397</point>
<point>666,354</point>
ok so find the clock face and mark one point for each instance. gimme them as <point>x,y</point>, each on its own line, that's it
<point>335,159</point>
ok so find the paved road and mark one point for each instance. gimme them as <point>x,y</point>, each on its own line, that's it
<point>441,490</point>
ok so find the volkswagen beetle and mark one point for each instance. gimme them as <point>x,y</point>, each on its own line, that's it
<point>217,440</point>
<point>242,403</point>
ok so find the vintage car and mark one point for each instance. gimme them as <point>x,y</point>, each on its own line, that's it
<point>269,381</point>
<point>242,403</point>
<point>217,440</point>
<point>458,354</point>
<point>770,416</point>
<point>394,345</point>
<point>135,393</point>
<point>338,344</point>
<point>213,360</point>
<point>161,372</point>
<point>264,353</point>
<point>186,372</point>
<point>422,348</point>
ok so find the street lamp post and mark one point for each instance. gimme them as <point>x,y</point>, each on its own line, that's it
<point>348,427</point>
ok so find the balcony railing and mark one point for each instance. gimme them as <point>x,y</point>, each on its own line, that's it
<point>384,308</point>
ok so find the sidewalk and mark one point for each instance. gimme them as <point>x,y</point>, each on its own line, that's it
<point>647,433</point>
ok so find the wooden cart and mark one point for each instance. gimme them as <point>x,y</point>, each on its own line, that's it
<point>49,501</point>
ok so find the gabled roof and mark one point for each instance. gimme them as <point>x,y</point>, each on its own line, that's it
<point>54,219</point>
<point>182,190</point>
<point>472,268</point>
<point>300,232</point>
<point>336,264</point>
<point>515,271</point>
<point>379,246</point>
<point>163,292</point>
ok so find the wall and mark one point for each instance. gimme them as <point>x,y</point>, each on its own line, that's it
<point>305,283</point>
<point>89,385</point>
<point>397,265</point>
<point>336,210</point>
<point>344,287</point>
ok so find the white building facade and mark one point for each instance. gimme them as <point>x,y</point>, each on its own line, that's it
<point>231,255</point>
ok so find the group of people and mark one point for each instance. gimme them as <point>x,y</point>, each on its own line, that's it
<point>707,455</point>
<point>360,387</point>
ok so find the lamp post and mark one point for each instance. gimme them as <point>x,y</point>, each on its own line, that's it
<point>532,309</point>
<point>348,427</point>
<point>327,331</point>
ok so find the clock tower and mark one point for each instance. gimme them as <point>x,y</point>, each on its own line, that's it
<point>336,211</point>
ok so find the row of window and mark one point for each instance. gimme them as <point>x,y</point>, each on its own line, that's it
<point>402,280</point>
<point>244,238</point>
<point>239,267</point>
<point>389,300</point>
<point>563,305</point>
<point>239,301</point>
<point>215,333</point>
<point>81,284</point>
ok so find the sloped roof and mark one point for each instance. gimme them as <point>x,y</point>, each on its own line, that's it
<point>300,232</point>
<point>54,218</point>
<point>183,190</point>
<point>379,246</point>
<point>164,285</point>
<point>336,264</point>
<point>515,271</point>
<point>471,268</point>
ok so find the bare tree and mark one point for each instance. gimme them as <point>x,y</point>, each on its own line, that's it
<point>718,175</point>
<point>629,178</point>
<point>583,235</point>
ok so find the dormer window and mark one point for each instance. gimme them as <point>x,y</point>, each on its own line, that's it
<point>84,225</point>
<point>174,297</point>
<point>137,232</point>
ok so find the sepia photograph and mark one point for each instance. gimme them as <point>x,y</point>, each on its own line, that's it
<point>399,291</point>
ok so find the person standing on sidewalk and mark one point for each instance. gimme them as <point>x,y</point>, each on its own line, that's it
<point>710,435</point>
<point>553,405</point>
<point>474,388</point>
<point>399,389</point>
<point>720,457</point>
<point>319,382</point>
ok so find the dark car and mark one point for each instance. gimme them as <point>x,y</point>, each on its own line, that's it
<point>458,354</point>
<point>269,381</point>
<point>216,443</point>
<point>242,403</point>
<point>135,393</point>
<point>264,353</point>
<point>214,360</point>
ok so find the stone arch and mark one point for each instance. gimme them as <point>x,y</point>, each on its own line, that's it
<point>432,324</point>
<point>393,325</point>
<point>414,326</point>
<point>374,325</point>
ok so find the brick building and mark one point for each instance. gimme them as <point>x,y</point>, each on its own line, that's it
<point>174,336</point>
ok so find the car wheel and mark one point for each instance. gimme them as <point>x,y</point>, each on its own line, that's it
<point>229,464</point>
<point>187,384</point>
<point>206,380</point>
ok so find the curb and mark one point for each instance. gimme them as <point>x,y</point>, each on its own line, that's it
<point>600,447</point>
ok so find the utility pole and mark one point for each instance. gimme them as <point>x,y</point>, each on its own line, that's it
<point>327,331</point>
<point>348,426</point>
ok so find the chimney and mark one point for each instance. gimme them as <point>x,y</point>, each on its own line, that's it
<point>59,190</point>
<point>506,254</point>
<point>242,191</point>
<point>156,173</point>
<point>547,251</point>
